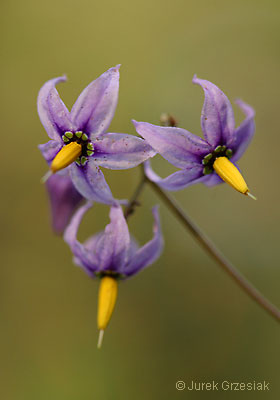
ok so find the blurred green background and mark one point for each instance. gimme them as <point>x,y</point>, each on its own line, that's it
<point>183,318</point>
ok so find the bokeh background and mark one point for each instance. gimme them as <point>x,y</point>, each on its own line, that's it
<point>183,318</point>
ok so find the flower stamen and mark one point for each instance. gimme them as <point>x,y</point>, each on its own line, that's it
<point>107,297</point>
<point>230,174</point>
<point>66,156</point>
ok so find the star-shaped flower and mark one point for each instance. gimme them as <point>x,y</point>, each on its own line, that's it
<point>112,255</point>
<point>203,160</point>
<point>79,139</point>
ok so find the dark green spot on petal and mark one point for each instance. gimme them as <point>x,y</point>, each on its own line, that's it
<point>78,134</point>
<point>69,135</point>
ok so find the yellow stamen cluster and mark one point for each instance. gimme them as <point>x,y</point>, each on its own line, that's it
<point>66,156</point>
<point>107,297</point>
<point>230,174</point>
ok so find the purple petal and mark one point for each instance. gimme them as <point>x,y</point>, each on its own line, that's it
<point>217,119</point>
<point>147,254</point>
<point>245,132</point>
<point>95,107</point>
<point>82,255</point>
<point>212,180</point>
<point>90,182</point>
<point>176,145</point>
<point>50,149</point>
<point>113,246</point>
<point>120,151</point>
<point>52,111</point>
<point>64,199</point>
<point>178,180</point>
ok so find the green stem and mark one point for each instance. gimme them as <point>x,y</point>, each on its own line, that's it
<point>133,202</point>
<point>205,242</point>
<point>211,249</point>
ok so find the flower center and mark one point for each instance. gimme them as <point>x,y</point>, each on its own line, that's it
<point>82,139</point>
<point>209,159</point>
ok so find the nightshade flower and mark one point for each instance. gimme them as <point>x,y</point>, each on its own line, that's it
<point>111,255</point>
<point>203,160</point>
<point>79,138</point>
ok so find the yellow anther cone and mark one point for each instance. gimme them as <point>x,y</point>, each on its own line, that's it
<point>107,297</point>
<point>66,156</point>
<point>230,174</point>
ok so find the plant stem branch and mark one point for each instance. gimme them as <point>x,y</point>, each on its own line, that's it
<point>133,202</point>
<point>211,249</point>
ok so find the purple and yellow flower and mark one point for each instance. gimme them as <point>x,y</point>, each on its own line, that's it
<point>111,255</point>
<point>79,138</point>
<point>209,160</point>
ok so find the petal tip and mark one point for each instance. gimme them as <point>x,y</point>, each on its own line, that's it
<point>195,80</point>
<point>246,108</point>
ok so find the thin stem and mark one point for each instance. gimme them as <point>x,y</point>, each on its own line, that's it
<point>133,202</point>
<point>211,249</point>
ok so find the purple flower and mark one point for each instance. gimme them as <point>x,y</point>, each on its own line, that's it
<point>111,255</point>
<point>79,139</point>
<point>64,199</point>
<point>203,160</point>
<point>113,252</point>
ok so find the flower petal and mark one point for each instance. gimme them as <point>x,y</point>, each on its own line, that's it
<point>148,253</point>
<point>120,151</point>
<point>90,182</point>
<point>217,119</point>
<point>81,253</point>
<point>50,149</point>
<point>178,180</point>
<point>245,132</point>
<point>176,145</point>
<point>64,199</point>
<point>95,107</point>
<point>212,180</point>
<point>113,246</point>
<point>52,111</point>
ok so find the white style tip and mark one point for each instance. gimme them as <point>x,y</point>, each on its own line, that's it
<point>251,195</point>
<point>100,338</point>
<point>46,176</point>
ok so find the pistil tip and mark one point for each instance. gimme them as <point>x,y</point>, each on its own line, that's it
<point>100,338</point>
<point>251,195</point>
<point>46,176</point>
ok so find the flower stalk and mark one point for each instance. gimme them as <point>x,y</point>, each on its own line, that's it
<point>208,246</point>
